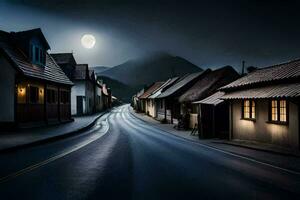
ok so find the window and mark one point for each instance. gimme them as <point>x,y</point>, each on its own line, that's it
<point>248,109</point>
<point>274,110</point>
<point>278,111</point>
<point>34,94</point>
<point>37,54</point>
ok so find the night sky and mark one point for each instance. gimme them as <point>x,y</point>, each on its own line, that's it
<point>207,33</point>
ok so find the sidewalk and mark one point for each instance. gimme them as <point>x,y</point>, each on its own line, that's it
<point>26,137</point>
<point>269,154</point>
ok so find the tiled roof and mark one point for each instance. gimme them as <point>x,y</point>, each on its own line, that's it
<point>165,86</point>
<point>273,91</point>
<point>284,71</point>
<point>28,34</point>
<point>150,90</point>
<point>180,84</point>
<point>212,100</point>
<point>50,72</point>
<point>140,93</point>
<point>209,83</point>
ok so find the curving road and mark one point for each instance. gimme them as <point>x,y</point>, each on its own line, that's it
<point>122,157</point>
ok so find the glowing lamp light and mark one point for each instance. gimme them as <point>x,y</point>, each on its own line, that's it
<point>21,91</point>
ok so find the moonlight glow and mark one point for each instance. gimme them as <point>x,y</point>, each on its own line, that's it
<point>88,41</point>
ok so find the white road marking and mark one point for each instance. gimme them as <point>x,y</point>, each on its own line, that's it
<point>53,158</point>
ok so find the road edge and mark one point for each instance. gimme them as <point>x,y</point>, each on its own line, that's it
<point>54,138</point>
<point>250,158</point>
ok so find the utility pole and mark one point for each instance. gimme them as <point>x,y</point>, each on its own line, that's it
<point>243,67</point>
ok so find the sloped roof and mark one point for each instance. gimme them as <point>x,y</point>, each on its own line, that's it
<point>284,71</point>
<point>63,58</point>
<point>164,86</point>
<point>28,34</point>
<point>140,93</point>
<point>214,99</point>
<point>180,84</point>
<point>272,91</point>
<point>150,90</point>
<point>209,83</point>
<point>50,72</point>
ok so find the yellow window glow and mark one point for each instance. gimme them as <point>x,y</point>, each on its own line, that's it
<point>274,111</point>
<point>282,107</point>
<point>246,109</point>
<point>253,110</point>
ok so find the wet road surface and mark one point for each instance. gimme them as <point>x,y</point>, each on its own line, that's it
<point>122,157</point>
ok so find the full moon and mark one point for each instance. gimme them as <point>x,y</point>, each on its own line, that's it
<point>88,41</point>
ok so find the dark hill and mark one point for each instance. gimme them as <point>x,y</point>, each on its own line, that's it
<point>100,69</point>
<point>120,90</point>
<point>151,68</point>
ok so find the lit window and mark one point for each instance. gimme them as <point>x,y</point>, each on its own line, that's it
<point>282,110</point>
<point>274,113</point>
<point>279,110</point>
<point>248,109</point>
<point>253,110</point>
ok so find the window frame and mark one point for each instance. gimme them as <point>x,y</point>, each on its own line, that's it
<point>37,54</point>
<point>251,101</point>
<point>270,120</point>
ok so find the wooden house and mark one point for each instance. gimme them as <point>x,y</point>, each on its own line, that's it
<point>149,102</point>
<point>212,117</point>
<point>35,89</point>
<point>82,96</point>
<point>158,107</point>
<point>86,95</point>
<point>107,97</point>
<point>204,87</point>
<point>169,97</point>
<point>264,105</point>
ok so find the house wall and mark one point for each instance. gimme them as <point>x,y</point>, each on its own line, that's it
<point>77,90</point>
<point>26,110</point>
<point>260,130</point>
<point>99,102</point>
<point>151,107</point>
<point>193,120</point>
<point>7,88</point>
<point>89,97</point>
<point>160,111</point>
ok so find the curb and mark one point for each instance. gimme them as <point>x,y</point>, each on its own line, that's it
<point>54,138</point>
<point>293,171</point>
<point>226,143</point>
<point>259,149</point>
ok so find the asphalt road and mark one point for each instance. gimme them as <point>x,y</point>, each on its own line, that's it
<point>122,157</point>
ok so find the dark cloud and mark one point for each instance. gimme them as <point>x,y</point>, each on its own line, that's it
<point>209,33</point>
